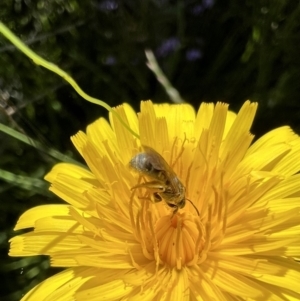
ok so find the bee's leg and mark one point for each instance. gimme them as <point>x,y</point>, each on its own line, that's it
<point>154,186</point>
<point>174,207</point>
<point>156,197</point>
<point>174,212</point>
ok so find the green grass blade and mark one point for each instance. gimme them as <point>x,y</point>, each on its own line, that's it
<point>36,144</point>
<point>28,183</point>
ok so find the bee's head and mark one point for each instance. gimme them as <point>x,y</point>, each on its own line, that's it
<point>178,205</point>
<point>181,204</point>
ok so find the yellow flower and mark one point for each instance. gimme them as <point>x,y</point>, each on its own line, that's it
<point>119,245</point>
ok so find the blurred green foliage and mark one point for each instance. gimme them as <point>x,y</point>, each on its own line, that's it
<point>210,50</point>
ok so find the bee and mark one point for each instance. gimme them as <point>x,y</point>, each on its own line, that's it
<point>163,181</point>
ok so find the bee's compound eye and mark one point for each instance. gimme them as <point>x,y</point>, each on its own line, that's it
<point>181,204</point>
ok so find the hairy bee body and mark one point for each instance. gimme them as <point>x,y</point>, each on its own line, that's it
<point>163,181</point>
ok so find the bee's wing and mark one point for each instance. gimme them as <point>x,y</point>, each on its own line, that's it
<point>160,164</point>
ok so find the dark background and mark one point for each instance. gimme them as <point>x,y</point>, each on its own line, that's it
<point>211,50</point>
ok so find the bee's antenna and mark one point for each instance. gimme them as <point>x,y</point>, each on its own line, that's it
<point>194,206</point>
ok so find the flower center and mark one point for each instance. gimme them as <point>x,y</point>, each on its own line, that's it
<point>179,239</point>
<point>174,241</point>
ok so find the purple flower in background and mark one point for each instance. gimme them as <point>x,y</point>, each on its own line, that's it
<point>199,8</point>
<point>108,5</point>
<point>168,46</point>
<point>193,54</point>
<point>109,60</point>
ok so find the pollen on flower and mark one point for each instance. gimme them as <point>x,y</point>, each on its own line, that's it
<point>175,241</point>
